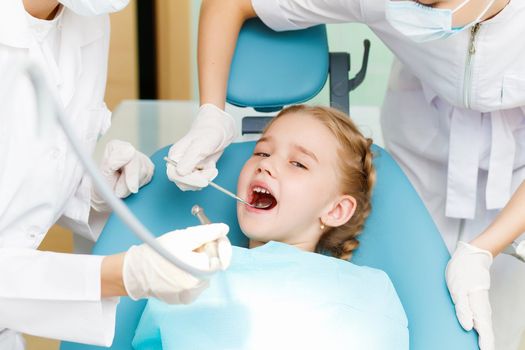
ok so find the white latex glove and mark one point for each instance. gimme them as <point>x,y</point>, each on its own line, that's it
<point>198,151</point>
<point>147,274</point>
<point>468,280</point>
<point>125,170</point>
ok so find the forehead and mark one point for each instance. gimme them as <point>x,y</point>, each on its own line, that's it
<point>304,130</point>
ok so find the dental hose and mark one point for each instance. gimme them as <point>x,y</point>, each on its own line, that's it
<point>51,110</point>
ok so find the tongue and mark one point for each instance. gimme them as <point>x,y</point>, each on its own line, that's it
<point>264,201</point>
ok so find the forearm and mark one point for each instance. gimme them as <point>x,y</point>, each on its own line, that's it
<point>509,224</point>
<point>219,25</point>
<point>42,9</point>
<point>111,282</point>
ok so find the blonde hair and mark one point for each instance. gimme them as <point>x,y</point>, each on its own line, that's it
<point>357,176</point>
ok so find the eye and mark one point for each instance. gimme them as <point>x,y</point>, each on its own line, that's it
<point>299,165</point>
<point>261,154</point>
<point>425,5</point>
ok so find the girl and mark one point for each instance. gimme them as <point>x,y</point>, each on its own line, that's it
<point>314,169</point>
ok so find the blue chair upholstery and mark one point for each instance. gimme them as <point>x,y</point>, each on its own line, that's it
<point>399,238</point>
<point>271,70</point>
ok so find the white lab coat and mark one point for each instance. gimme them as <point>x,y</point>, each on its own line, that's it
<point>41,180</point>
<point>456,129</point>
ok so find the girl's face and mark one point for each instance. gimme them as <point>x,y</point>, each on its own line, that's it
<point>294,165</point>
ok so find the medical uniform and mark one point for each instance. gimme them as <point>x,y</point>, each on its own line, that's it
<point>454,119</point>
<point>279,297</point>
<point>42,181</point>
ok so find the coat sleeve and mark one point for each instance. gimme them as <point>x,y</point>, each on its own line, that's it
<point>299,14</point>
<point>55,295</point>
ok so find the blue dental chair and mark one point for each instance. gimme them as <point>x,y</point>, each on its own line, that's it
<point>399,238</point>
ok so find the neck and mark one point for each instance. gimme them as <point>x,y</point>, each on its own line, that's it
<point>255,244</point>
<point>306,246</point>
<point>42,9</point>
<point>496,8</point>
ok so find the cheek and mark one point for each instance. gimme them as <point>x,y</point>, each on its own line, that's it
<point>244,176</point>
<point>312,199</point>
<point>304,198</point>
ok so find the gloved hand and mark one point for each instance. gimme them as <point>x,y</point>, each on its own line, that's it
<point>198,151</point>
<point>468,280</point>
<point>125,169</point>
<point>147,274</point>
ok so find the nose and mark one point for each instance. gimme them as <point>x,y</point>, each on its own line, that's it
<point>267,165</point>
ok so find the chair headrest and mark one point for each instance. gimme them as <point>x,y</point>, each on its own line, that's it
<point>271,70</point>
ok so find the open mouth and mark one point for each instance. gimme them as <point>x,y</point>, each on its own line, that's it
<point>262,198</point>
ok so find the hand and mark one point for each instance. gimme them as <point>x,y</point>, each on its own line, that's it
<point>468,280</point>
<point>147,274</point>
<point>125,169</point>
<point>198,151</point>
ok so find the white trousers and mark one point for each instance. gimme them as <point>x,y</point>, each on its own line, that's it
<point>11,340</point>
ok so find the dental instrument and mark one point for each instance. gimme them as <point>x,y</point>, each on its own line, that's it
<point>51,111</point>
<point>225,191</point>
<point>198,212</point>
<point>210,248</point>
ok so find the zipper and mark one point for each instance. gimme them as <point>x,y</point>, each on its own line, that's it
<point>468,65</point>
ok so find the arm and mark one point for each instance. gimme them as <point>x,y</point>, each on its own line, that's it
<point>213,129</point>
<point>54,295</point>
<point>42,9</point>
<point>111,282</point>
<point>36,284</point>
<point>142,273</point>
<point>509,224</point>
<point>219,25</point>
<point>468,271</point>
<point>221,20</point>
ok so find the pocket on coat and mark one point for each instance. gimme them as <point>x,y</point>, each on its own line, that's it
<point>513,91</point>
<point>97,121</point>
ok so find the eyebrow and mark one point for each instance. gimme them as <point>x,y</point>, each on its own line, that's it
<point>295,146</point>
<point>305,151</point>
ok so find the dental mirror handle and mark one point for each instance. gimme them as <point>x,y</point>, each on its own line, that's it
<point>214,185</point>
<point>225,191</point>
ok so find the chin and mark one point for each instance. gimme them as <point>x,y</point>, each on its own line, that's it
<point>254,231</point>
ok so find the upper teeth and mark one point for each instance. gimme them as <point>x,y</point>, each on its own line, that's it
<point>260,190</point>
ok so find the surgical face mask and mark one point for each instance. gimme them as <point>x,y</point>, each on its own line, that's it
<point>94,7</point>
<point>423,23</point>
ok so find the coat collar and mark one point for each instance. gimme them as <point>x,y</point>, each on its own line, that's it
<point>16,32</point>
<point>76,32</point>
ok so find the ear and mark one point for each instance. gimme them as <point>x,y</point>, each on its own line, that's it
<point>340,211</point>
